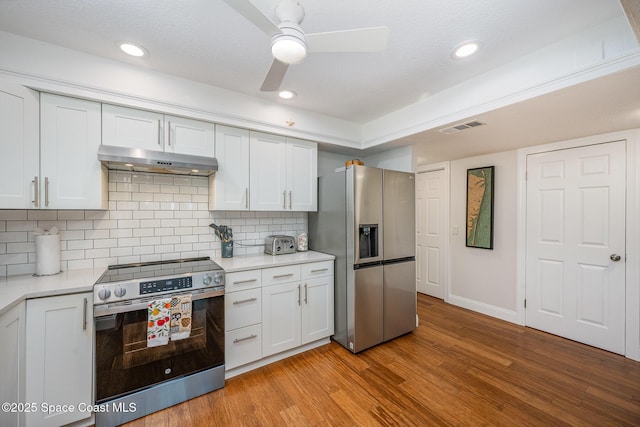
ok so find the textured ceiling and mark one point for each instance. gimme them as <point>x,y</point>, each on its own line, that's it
<point>207,41</point>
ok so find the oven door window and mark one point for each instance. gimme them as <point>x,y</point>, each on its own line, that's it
<point>124,363</point>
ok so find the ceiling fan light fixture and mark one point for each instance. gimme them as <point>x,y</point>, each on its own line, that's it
<point>465,49</point>
<point>288,49</point>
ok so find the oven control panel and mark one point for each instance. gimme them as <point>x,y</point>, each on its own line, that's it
<point>163,285</point>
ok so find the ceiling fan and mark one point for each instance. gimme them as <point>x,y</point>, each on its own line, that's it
<point>289,44</point>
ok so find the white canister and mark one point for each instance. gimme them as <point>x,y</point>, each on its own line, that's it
<point>47,254</point>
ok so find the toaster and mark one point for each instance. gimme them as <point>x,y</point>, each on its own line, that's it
<point>279,244</point>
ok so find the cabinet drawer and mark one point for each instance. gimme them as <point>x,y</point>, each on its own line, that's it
<point>242,280</point>
<point>317,269</point>
<point>284,274</point>
<point>242,308</point>
<point>243,346</point>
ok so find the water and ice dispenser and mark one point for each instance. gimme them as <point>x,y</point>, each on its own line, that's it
<point>368,240</point>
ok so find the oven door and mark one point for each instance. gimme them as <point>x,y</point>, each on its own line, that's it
<point>124,363</point>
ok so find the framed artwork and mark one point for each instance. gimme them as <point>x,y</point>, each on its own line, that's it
<point>480,207</point>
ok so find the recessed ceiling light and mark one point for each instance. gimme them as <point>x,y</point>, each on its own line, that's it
<point>465,49</point>
<point>287,94</point>
<point>132,49</point>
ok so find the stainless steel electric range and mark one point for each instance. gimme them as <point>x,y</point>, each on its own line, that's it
<point>133,378</point>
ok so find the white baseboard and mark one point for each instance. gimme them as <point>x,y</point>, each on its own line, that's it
<point>480,307</point>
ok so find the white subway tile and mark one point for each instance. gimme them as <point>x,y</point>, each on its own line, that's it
<point>143,250</point>
<point>169,255</point>
<point>3,248</point>
<point>42,215</point>
<point>67,255</point>
<point>143,232</point>
<point>122,214</point>
<point>187,190</point>
<point>128,206</point>
<point>8,259</point>
<point>142,197</point>
<point>149,206</point>
<point>20,225</point>
<point>184,247</point>
<point>149,188</point>
<point>189,254</point>
<point>126,187</point>
<point>188,222</point>
<point>80,225</point>
<point>95,215</point>
<point>116,196</point>
<point>131,241</point>
<point>79,263</point>
<point>189,239</point>
<point>166,223</point>
<point>48,225</point>
<point>101,224</point>
<point>79,244</point>
<point>150,241</point>
<point>13,236</point>
<point>163,214</point>
<point>3,270</point>
<point>170,240</point>
<point>128,259</point>
<point>76,215</point>
<point>169,189</point>
<point>142,178</point>
<point>182,180</point>
<point>169,206</point>
<point>113,206</point>
<point>120,252</point>
<point>104,262</point>
<point>128,223</point>
<point>183,214</point>
<point>164,249</point>
<point>159,197</point>
<point>96,234</point>
<point>163,231</point>
<point>116,233</point>
<point>182,198</point>
<point>72,235</point>
<point>142,214</point>
<point>105,243</point>
<point>13,215</point>
<point>149,223</point>
<point>150,258</point>
<point>163,179</point>
<point>202,246</point>
<point>188,206</point>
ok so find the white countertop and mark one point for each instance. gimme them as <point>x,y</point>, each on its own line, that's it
<point>15,289</point>
<point>251,262</point>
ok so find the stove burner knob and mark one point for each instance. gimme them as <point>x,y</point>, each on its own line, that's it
<point>218,279</point>
<point>206,280</point>
<point>103,294</point>
<point>120,292</point>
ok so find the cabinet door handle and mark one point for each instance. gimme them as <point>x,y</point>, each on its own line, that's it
<point>250,337</point>
<point>36,195</point>
<point>280,276</point>
<point>305,293</point>
<point>159,132</point>
<point>290,201</point>
<point>84,315</point>
<point>319,270</point>
<point>169,133</point>
<point>246,198</point>
<point>245,300</point>
<point>284,199</point>
<point>298,294</point>
<point>46,191</point>
<point>239,282</point>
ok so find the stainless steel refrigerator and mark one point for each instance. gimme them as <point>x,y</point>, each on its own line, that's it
<point>366,218</point>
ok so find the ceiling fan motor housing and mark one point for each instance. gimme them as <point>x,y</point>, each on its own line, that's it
<point>289,46</point>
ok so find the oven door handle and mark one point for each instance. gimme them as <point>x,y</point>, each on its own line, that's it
<point>142,304</point>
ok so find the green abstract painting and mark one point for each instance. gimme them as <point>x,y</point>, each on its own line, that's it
<point>480,207</point>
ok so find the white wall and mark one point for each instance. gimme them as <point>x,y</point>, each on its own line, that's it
<point>485,280</point>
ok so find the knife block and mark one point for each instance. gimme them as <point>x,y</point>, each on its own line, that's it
<point>227,249</point>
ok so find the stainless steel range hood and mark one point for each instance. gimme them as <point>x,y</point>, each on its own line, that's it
<point>139,160</point>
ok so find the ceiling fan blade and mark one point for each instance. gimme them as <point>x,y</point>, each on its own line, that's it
<point>254,15</point>
<point>372,39</point>
<point>275,76</point>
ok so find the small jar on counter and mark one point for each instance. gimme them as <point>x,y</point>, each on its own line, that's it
<point>303,242</point>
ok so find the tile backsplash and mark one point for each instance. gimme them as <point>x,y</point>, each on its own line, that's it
<point>151,217</point>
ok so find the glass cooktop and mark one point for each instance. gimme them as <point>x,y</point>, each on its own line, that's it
<point>151,270</point>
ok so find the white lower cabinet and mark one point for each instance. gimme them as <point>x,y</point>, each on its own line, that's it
<point>59,359</point>
<point>12,332</point>
<point>297,312</point>
<point>272,310</point>
<point>242,318</point>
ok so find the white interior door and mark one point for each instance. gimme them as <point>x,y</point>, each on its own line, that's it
<point>430,232</point>
<point>575,232</point>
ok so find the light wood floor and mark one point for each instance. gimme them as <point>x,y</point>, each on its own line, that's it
<point>458,368</point>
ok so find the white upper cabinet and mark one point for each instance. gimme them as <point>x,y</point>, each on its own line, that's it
<point>229,186</point>
<point>268,172</point>
<point>302,175</point>
<point>283,173</point>
<point>133,128</point>
<point>19,117</point>
<point>69,141</point>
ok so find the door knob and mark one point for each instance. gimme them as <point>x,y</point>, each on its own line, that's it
<point>614,257</point>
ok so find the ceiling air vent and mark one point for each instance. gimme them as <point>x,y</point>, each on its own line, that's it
<point>462,126</point>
